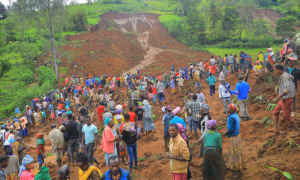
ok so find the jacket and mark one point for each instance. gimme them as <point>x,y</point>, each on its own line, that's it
<point>211,80</point>
<point>196,76</point>
<point>220,62</point>
<point>167,123</point>
<point>129,138</point>
<point>233,125</point>
<point>230,59</point>
<point>71,131</point>
<point>108,140</point>
<point>124,175</point>
<point>296,74</point>
<point>160,87</point>
<point>178,147</point>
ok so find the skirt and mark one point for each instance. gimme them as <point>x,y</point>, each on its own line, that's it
<point>150,95</point>
<point>173,90</point>
<point>123,150</point>
<point>24,132</point>
<point>201,152</point>
<point>52,115</point>
<point>214,167</point>
<point>235,153</point>
<point>148,124</point>
<point>108,155</point>
<point>112,109</point>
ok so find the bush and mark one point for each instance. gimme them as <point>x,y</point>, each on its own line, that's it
<point>78,20</point>
<point>5,66</point>
<point>45,74</point>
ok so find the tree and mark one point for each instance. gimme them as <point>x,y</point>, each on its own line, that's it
<point>247,15</point>
<point>179,10</point>
<point>230,19</point>
<point>261,27</point>
<point>3,11</point>
<point>78,19</point>
<point>215,13</point>
<point>285,26</point>
<point>48,14</point>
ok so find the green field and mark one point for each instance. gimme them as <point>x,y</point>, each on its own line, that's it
<point>252,52</point>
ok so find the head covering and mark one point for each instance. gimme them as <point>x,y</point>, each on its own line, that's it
<point>39,135</point>
<point>163,109</point>
<point>145,102</point>
<point>176,110</point>
<point>211,124</point>
<point>3,158</point>
<point>43,174</point>
<point>257,62</point>
<point>105,109</point>
<point>291,58</point>
<point>118,117</point>
<point>182,130</point>
<point>61,127</point>
<point>124,106</point>
<point>233,107</point>
<point>285,40</point>
<point>106,121</point>
<point>26,160</point>
<point>205,107</point>
<point>9,151</point>
<point>119,111</point>
<point>169,108</point>
<point>64,170</point>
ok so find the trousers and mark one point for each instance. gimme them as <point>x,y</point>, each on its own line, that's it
<point>73,147</point>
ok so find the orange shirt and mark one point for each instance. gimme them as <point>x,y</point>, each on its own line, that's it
<point>154,90</point>
<point>206,66</point>
<point>132,116</point>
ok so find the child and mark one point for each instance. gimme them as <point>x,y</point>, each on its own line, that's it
<point>40,150</point>
<point>26,168</point>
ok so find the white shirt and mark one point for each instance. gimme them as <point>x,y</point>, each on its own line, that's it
<point>212,61</point>
<point>223,92</point>
<point>200,66</point>
<point>10,137</point>
<point>222,76</point>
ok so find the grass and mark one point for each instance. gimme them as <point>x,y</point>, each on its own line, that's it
<point>252,52</point>
<point>167,19</point>
<point>93,21</point>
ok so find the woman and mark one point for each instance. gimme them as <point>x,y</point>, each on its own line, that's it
<point>63,173</point>
<point>25,172</point>
<point>172,85</point>
<point>205,117</point>
<point>214,167</point>
<point>235,142</point>
<point>121,145</point>
<point>129,135</point>
<point>150,91</point>
<point>43,174</point>
<point>118,115</point>
<point>13,167</point>
<point>148,123</point>
<point>108,145</point>
<point>24,131</point>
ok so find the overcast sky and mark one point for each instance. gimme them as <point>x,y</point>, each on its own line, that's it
<point>6,2</point>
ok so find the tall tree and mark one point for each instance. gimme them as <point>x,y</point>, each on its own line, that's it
<point>230,19</point>
<point>3,11</point>
<point>215,13</point>
<point>261,28</point>
<point>47,14</point>
<point>248,6</point>
<point>285,27</point>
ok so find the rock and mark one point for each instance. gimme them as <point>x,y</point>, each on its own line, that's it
<point>147,154</point>
<point>261,151</point>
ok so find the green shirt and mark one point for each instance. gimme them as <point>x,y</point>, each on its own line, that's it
<point>57,96</point>
<point>213,139</point>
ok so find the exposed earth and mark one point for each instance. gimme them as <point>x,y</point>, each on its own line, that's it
<point>123,42</point>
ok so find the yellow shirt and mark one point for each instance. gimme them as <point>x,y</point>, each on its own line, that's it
<point>261,58</point>
<point>258,67</point>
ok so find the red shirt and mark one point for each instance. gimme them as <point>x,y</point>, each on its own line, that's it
<point>132,116</point>
<point>159,77</point>
<point>42,147</point>
<point>177,73</point>
<point>61,106</point>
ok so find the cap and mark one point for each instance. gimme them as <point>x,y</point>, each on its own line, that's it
<point>257,62</point>
<point>291,58</point>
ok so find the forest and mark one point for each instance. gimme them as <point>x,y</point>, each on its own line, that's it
<point>33,32</point>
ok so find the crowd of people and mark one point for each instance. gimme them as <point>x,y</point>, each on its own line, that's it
<point>123,119</point>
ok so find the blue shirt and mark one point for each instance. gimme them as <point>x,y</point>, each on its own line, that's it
<point>242,59</point>
<point>87,82</point>
<point>89,133</point>
<point>211,80</point>
<point>177,119</point>
<point>241,89</point>
<point>17,110</point>
<point>233,125</point>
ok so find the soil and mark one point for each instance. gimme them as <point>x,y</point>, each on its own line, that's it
<point>142,44</point>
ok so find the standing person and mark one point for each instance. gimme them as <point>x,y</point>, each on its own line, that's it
<point>295,72</point>
<point>148,122</point>
<point>200,96</point>
<point>211,80</point>
<point>150,91</point>
<point>222,75</point>
<point>10,136</point>
<point>214,167</point>
<point>205,117</point>
<point>106,114</point>
<point>180,83</point>
<point>235,141</point>
<point>100,111</point>
<point>13,168</point>
<point>291,44</point>
<point>242,61</point>
<point>17,111</point>
<point>242,89</point>
<point>231,63</point>
<point>286,95</point>
<point>195,110</point>
<point>172,85</point>
<point>179,154</point>
<point>86,170</point>
<point>26,168</point>
<point>129,135</point>
<point>213,65</point>
<point>40,150</point>
<point>224,94</point>
<point>18,147</point>
<point>154,94</point>
<point>161,92</point>
<point>129,96</point>
<point>139,112</point>
<point>166,122</point>
<point>80,124</point>
<point>220,62</point>
<point>226,64</point>
<point>57,142</point>
<point>261,58</point>
<point>72,137</point>
<point>89,139</point>
<point>206,68</point>
<point>201,68</point>
<point>108,145</point>
<point>196,79</point>
<point>115,171</point>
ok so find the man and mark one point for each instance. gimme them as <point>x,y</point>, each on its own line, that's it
<point>195,110</point>
<point>212,64</point>
<point>115,171</point>
<point>77,100</point>
<point>224,94</point>
<point>295,72</point>
<point>4,161</point>
<point>220,62</point>
<point>242,60</point>
<point>17,111</point>
<point>291,44</point>
<point>200,96</point>
<point>179,154</point>
<point>286,95</point>
<point>160,91</point>
<point>196,79</point>
<point>100,111</point>
<point>242,89</point>
<point>106,114</point>
<point>57,142</point>
<point>16,125</point>
<point>89,139</point>
<point>40,149</point>
<point>72,137</point>
<point>83,110</point>
<point>86,169</point>
<point>18,147</point>
<point>136,96</point>
<point>201,68</point>
<point>168,118</point>
<point>129,96</point>
<point>222,75</point>
<point>180,83</point>
<point>231,63</point>
<point>226,65</point>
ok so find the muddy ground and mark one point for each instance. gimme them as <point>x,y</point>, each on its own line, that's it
<point>117,51</point>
